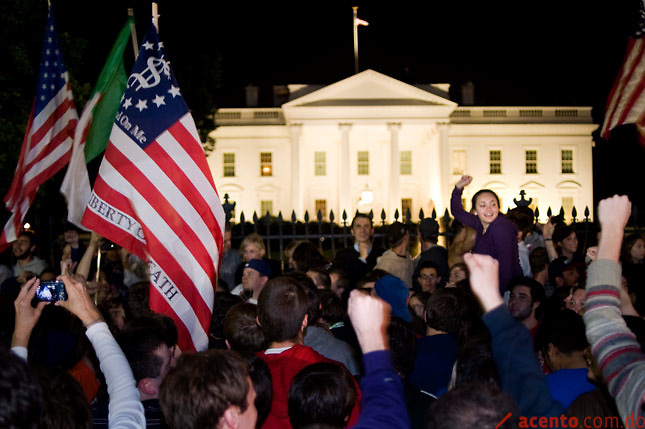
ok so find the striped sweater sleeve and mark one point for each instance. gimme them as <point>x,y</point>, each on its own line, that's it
<point>613,345</point>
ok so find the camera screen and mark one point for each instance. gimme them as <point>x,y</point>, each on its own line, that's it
<point>51,291</point>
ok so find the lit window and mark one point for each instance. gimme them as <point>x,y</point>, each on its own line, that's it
<point>567,206</point>
<point>229,164</point>
<point>406,204</point>
<point>266,206</point>
<point>266,164</point>
<point>567,161</point>
<point>406,162</point>
<point>320,163</point>
<point>531,161</point>
<point>321,206</point>
<point>458,162</point>
<point>495,157</point>
<point>363,163</point>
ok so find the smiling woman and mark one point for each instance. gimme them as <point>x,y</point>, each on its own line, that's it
<point>496,235</point>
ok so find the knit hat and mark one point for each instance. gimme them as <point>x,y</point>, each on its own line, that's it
<point>394,291</point>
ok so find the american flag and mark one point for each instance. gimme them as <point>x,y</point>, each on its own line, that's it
<point>155,195</point>
<point>626,103</point>
<point>47,144</point>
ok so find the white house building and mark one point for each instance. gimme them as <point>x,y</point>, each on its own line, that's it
<point>374,142</point>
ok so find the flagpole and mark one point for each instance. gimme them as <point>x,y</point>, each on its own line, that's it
<point>355,26</point>
<point>133,33</point>
<point>155,15</point>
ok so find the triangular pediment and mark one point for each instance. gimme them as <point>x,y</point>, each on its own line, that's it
<point>369,88</point>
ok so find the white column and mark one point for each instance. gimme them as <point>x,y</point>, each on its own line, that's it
<point>444,162</point>
<point>344,185</point>
<point>394,191</point>
<point>295,131</point>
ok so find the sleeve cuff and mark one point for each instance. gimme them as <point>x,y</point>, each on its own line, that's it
<point>604,272</point>
<point>379,360</point>
<point>21,352</point>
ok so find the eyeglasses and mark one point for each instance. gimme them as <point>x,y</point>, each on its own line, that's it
<point>428,277</point>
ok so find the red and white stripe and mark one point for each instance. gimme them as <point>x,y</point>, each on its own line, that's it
<point>626,102</point>
<point>45,150</point>
<point>175,220</point>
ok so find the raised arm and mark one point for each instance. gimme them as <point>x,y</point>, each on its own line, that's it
<point>382,389</point>
<point>457,208</point>
<point>26,317</point>
<point>83,267</point>
<point>125,409</point>
<point>518,367</point>
<point>613,345</point>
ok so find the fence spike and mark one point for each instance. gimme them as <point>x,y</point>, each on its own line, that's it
<point>421,214</point>
<point>549,212</point>
<point>242,218</point>
<point>574,213</point>
<point>255,217</point>
<point>537,214</point>
<point>446,213</point>
<point>306,216</point>
<point>587,213</point>
<point>319,216</point>
<point>408,215</point>
<point>331,216</point>
<point>383,216</point>
<point>280,217</point>
<point>561,214</point>
<point>433,215</point>
<point>293,216</point>
<point>344,216</point>
<point>371,214</point>
<point>396,215</point>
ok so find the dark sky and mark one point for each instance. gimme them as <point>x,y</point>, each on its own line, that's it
<point>563,52</point>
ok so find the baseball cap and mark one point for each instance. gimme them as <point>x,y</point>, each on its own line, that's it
<point>259,265</point>
<point>395,292</point>
<point>395,232</point>
<point>429,228</point>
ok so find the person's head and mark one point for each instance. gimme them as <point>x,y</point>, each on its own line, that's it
<point>222,303</point>
<point>148,356</point>
<point>633,250</point>
<point>306,256</point>
<point>256,275</point>
<point>282,310</point>
<point>564,236</point>
<point>288,255</point>
<point>163,325</point>
<point>485,205</point>
<point>321,393</point>
<point>526,297</point>
<point>70,234</point>
<point>576,299</point>
<point>136,300</point>
<point>21,397</point>
<point>538,260</point>
<point>24,246</point>
<point>457,272</point>
<point>473,405</point>
<point>65,405</point>
<point>210,389</point>
<point>561,338</point>
<point>228,233</point>
<point>113,311</point>
<point>522,217</point>
<point>403,345</point>
<point>475,363</point>
<point>395,292</point>
<point>361,228</point>
<point>428,277</point>
<point>340,281</point>
<point>418,302</point>
<point>320,277</point>
<point>444,311</point>
<point>252,247</point>
<point>241,329</point>
<point>263,386</point>
<point>331,307</point>
<point>429,230</point>
<point>563,273</point>
<point>397,234</point>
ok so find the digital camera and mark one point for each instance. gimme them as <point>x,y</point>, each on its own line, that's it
<point>51,292</point>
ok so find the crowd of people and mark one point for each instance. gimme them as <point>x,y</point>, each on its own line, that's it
<point>510,323</point>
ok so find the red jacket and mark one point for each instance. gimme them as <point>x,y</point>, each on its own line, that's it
<point>284,367</point>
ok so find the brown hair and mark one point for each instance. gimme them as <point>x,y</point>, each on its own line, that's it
<point>252,239</point>
<point>282,306</point>
<point>199,389</point>
<point>241,329</point>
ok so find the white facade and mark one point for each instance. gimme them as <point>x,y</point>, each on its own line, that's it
<point>406,146</point>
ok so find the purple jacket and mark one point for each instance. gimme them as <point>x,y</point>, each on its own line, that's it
<point>500,240</point>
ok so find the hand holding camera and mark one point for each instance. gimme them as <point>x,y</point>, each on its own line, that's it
<point>26,315</point>
<point>79,301</point>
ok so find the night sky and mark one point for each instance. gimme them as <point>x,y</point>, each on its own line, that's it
<point>515,52</point>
